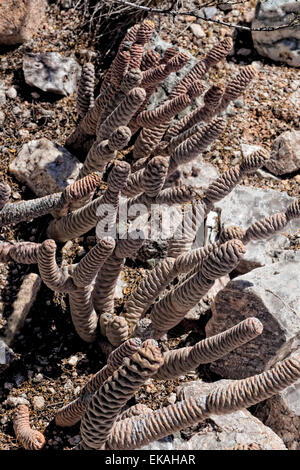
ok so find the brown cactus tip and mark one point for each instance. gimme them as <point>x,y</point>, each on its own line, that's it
<point>49,245</point>
<point>237,245</point>
<point>255,324</point>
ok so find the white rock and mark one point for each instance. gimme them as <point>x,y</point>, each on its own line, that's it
<point>45,167</point>
<point>15,401</point>
<point>283,44</point>
<point>272,295</point>
<point>12,93</point>
<point>197,30</point>
<point>38,402</point>
<point>6,356</point>
<point>246,205</point>
<point>285,153</point>
<point>73,360</point>
<point>198,173</point>
<point>51,72</point>
<point>38,378</point>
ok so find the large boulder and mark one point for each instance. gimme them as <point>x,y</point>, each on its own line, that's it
<point>45,167</point>
<point>272,295</point>
<point>246,205</point>
<point>285,153</point>
<point>19,19</point>
<point>281,44</point>
<point>51,72</point>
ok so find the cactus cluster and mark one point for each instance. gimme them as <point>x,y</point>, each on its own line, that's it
<point>137,152</point>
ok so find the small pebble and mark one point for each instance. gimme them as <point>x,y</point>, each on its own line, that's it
<point>12,92</point>
<point>38,378</point>
<point>38,402</point>
<point>15,401</point>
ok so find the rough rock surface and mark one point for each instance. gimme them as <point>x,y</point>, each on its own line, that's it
<point>285,153</point>
<point>244,206</point>
<point>22,305</point>
<point>45,167</point>
<point>272,295</point>
<point>51,72</point>
<point>282,414</point>
<point>281,45</point>
<point>234,431</point>
<point>198,173</point>
<point>6,356</point>
<point>19,19</point>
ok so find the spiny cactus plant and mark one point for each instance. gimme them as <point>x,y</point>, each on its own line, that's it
<point>137,152</point>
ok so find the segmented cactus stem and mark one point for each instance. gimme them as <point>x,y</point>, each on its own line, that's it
<point>29,438</point>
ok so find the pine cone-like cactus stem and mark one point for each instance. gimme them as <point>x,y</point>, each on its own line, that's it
<point>5,192</point>
<point>170,310</point>
<point>133,433</point>
<point>181,361</point>
<point>73,412</point>
<point>106,404</point>
<point>26,436</point>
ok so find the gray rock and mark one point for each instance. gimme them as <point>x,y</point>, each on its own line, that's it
<point>19,19</point>
<point>272,295</point>
<point>209,12</point>
<point>285,153</point>
<point>235,431</point>
<point>45,167</point>
<point>281,45</point>
<point>2,93</point>
<point>51,72</point>
<point>198,173</point>
<point>2,118</point>
<point>245,205</point>
<point>282,414</point>
<point>6,356</point>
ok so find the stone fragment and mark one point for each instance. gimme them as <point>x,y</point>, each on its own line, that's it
<point>38,402</point>
<point>19,19</point>
<point>15,401</point>
<point>282,414</point>
<point>198,173</point>
<point>51,72</point>
<point>197,30</point>
<point>246,205</point>
<point>12,92</point>
<point>285,153</point>
<point>281,44</point>
<point>272,295</point>
<point>22,305</point>
<point>45,167</point>
<point>234,431</point>
<point>6,356</point>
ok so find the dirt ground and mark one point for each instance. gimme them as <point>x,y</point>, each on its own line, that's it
<point>47,342</point>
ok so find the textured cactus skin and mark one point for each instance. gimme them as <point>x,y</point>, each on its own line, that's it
<point>181,361</point>
<point>27,437</point>
<point>132,433</point>
<point>106,404</point>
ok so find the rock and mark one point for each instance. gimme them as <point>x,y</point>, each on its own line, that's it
<point>198,173</point>
<point>197,31</point>
<point>15,401</point>
<point>51,72</point>
<point>209,12</point>
<point>272,295</point>
<point>2,118</point>
<point>38,402</point>
<point>245,205</point>
<point>68,387</point>
<point>38,378</point>
<point>12,93</point>
<point>234,431</point>
<point>2,93</point>
<point>6,356</point>
<point>22,305</point>
<point>45,167</point>
<point>19,19</point>
<point>285,153</point>
<point>282,414</point>
<point>73,360</point>
<point>283,44</point>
